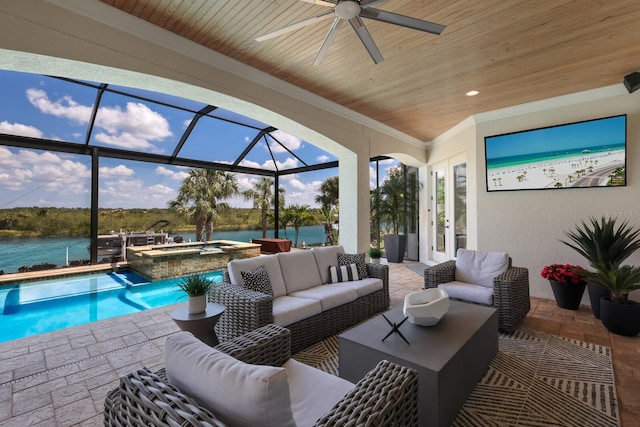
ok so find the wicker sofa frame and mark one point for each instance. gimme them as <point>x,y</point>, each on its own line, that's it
<point>247,310</point>
<point>510,291</point>
<point>386,396</point>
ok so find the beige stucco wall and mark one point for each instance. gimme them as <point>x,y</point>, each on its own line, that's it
<point>529,224</point>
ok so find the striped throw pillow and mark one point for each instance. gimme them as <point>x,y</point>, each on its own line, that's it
<point>343,273</point>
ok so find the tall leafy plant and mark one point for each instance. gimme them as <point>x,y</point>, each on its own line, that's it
<point>396,199</point>
<point>606,245</point>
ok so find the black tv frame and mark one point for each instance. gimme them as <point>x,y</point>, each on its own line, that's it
<point>559,164</point>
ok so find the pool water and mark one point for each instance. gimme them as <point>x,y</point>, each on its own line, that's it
<point>37,307</point>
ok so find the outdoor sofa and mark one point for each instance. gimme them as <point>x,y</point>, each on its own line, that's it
<point>224,386</point>
<point>301,298</point>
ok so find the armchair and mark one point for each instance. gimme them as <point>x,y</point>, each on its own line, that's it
<point>387,395</point>
<point>486,278</point>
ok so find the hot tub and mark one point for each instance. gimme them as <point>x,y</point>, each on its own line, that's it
<point>166,261</point>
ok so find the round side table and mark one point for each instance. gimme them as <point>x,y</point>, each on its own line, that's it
<point>201,325</point>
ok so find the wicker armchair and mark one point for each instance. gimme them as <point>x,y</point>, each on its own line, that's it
<point>387,395</point>
<point>510,291</point>
<point>247,310</point>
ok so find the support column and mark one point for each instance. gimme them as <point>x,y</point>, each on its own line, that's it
<point>95,167</point>
<point>354,202</point>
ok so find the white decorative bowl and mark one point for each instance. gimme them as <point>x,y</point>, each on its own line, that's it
<point>426,307</point>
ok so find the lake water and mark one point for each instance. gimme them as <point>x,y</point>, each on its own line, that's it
<point>28,251</point>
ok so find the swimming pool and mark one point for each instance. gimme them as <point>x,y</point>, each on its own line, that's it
<point>48,305</point>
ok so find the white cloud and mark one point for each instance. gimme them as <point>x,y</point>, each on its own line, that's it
<point>296,183</point>
<point>137,119</point>
<point>135,127</point>
<point>28,170</point>
<point>118,171</point>
<point>160,191</point>
<point>65,107</point>
<point>269,165</point>
<point>322,158</point>
<point>20,129</point>
<point>245,182</point>
<point>289,141</point>
<point>179,175</point>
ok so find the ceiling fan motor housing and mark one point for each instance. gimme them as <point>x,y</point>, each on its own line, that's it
<point>348,9</point>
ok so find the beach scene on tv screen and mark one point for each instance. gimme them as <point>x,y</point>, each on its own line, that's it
<point>585,154</point>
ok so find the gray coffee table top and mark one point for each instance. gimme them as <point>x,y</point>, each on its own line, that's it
<point>441,342</point>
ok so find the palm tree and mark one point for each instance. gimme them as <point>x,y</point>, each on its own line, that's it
<point>285,219</point>
<point>329,193</point>
<point>327,215</point>
<point>300,216</point>
<point>199,198</point>
<point>392,199</point>
<point>263,199</point>
<point>329,201</point>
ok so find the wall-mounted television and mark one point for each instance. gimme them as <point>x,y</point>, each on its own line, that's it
<point>584,154</point>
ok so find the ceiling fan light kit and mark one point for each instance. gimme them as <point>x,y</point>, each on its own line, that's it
<point>352,11</point>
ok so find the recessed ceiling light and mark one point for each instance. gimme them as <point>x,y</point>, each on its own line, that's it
<point>472,93</point>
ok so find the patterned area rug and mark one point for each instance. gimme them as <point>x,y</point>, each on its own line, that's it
<point>536,379</point>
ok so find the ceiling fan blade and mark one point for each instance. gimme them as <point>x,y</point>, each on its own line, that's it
<point>296,26</point>
<point>365,38</point>
<point>328,40</point>
<point>320,2</point>
<point>368,3</point>
<point>401,20</point>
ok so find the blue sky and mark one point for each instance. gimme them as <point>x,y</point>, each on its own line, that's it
<point>44,107</point>
<point>572,136</point>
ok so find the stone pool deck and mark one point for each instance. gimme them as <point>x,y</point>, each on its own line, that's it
<point>61,378</point>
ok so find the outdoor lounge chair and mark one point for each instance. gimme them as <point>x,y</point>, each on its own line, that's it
<point>486,278</point>
<point>387,395</point>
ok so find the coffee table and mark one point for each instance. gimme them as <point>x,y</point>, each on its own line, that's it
<point>450,357</point>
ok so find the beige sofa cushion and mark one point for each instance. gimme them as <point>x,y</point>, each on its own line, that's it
<point>287,309</point>
<point>313,392</point>
<point>299,270</point>
<point>238,393</point>
<point>479,268</point>
<point>272,265</point>
<point>330,296</point>
<point>326,256</point>
<point>468,292</point>
<point>364,287</point>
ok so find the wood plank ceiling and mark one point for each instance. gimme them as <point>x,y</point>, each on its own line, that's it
<point>512,51</point>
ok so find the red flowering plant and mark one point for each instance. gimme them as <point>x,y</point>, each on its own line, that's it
<point>564,273</point>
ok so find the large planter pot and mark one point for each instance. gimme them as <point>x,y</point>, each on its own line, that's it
<point>395,245</point>
<point>568,295</point>
<point>196,305</point>
<point>596,293</point>
<point>621,319</point>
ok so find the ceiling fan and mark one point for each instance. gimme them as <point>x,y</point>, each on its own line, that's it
<point>352,11</point>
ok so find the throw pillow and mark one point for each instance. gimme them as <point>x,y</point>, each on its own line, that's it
<point>358,260</point>
<point>257,280</point>
<point>343,273</point>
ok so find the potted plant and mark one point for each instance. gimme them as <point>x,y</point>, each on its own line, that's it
<point>196,288</point>
<point>619,314</point>
<point>606,246</point>
<point>395,199</point>
<point>567,282</point>
<point>375,254</point>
